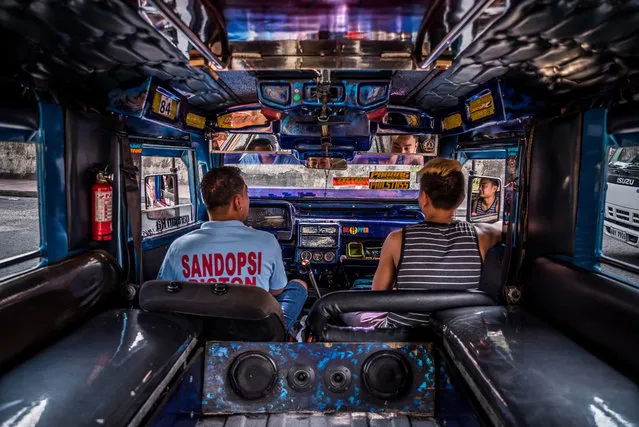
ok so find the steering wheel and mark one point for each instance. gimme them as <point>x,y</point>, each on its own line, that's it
<point>427,301</point>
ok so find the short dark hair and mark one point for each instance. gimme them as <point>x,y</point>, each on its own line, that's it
<point>220,185</point>
<point>493,181</point>
<point>260,142</point>
<point>443,181</point>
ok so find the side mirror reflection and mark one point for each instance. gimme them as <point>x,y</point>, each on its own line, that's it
<point>484,199</point>
<point>160,191</point>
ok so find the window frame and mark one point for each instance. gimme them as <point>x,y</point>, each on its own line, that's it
<point>187,155</point>
<point>39,252</point>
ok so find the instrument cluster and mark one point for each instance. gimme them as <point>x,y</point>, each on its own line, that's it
<point>318,243</point>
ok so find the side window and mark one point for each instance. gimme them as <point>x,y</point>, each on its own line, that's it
<point>620,240</point>
<point>19,212</point>
<point>166,194</point>
<point>495,168</point>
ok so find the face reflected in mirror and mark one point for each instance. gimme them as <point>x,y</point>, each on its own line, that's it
<point>485,196</point>
<point>406,145</point>
<point>263,144</point>
<point>332,163</point>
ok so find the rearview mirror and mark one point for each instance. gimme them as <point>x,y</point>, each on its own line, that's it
<point>484,199</point>
<point>332,163</point>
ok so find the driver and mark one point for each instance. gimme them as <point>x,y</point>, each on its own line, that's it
<point>224,250</point>
<point>439,253</point>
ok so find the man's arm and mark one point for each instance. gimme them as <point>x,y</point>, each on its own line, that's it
<point>388,260</point>
<point>489,235</point>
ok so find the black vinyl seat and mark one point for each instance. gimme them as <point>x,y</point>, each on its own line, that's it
<point>224,312</point>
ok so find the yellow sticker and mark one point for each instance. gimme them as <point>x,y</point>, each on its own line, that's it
<point>389,175</point>
<point>482,107</point>
<point>452,121</point>
<point>164,105</point>
<point>389,185</point>
<point>195,121</point>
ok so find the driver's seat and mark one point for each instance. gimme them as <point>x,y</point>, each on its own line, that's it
<point>221,311</point>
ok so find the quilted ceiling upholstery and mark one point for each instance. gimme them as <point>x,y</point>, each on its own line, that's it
<point>549,48</point>
<point>552,47</point>
<point>89,46</point>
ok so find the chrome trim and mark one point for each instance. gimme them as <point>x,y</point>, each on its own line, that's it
<point>188,33</point>
<point>452,35</point>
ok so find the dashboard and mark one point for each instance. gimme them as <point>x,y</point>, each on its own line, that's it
<point>341,241</point>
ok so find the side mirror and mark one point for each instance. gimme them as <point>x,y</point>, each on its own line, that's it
<point>332,163</point>
<point>484,199</point>
<point>160,194</point>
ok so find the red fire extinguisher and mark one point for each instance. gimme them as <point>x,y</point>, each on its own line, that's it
<point>102,208</point>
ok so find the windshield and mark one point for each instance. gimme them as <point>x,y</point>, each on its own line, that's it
<point>366,177</point>
<point>388,171</point>
<point>627,155</point>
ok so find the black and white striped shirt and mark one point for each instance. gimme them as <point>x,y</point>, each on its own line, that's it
<point>436,256</point>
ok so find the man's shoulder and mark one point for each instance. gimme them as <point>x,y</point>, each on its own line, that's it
<point>262,235</point>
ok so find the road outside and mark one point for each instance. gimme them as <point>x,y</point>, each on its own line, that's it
<point>620,251</point>
<point>19,230</point>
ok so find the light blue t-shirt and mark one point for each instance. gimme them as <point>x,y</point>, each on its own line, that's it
<point>226,252</point>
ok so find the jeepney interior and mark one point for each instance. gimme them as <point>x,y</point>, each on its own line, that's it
<point>353,99</point>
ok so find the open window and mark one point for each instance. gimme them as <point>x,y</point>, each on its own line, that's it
<point>19,211</point>
<point>620,237</point>
<point>168,185</point>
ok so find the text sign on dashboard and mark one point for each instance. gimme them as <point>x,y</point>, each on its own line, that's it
<point>390,175</point>
<point>389,185</point>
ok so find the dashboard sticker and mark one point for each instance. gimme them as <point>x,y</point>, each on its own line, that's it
<point>355,230</point>
<point>389,175</point>
<point>344,181</point>
<point>389,185</point>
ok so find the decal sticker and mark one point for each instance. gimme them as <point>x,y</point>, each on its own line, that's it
<point>241,119</point>
<point>135,148</point>
<point>166,223</point>
<point>390,175</point>
<point>195,121</point>
<point>480,106</point>
<point>389,185</point>
<point>429,144</point>
<point>350,181</point>
<point>452,121</point>
<point>165,104</point>
<point>355,230</point>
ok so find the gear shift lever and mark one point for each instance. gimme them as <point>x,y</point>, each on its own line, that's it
<point>306,269</point>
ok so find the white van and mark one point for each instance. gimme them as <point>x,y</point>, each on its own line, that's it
<point>622,197</point>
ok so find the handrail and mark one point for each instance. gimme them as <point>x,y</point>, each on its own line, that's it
<point>452,35</point>
<point>188,33</point>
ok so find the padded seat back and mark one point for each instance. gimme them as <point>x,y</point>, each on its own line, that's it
<point>226,312</point>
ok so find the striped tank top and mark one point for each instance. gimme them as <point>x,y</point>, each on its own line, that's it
<point>436,256</point>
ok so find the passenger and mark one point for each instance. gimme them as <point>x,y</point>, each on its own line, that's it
<point>224,250</point>
<point>263,144</point>
<point>405,144</point>
<point>439,253</point>
<point>487,203</point>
